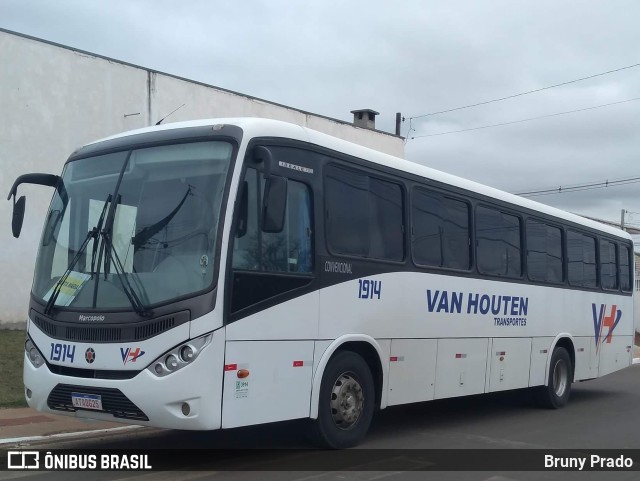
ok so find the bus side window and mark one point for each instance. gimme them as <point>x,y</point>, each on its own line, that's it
<point>625,269</point>
<point>364,215</point>
<point>498,243</point>
<point>266,264</point>
<point>440,231</point>
<point>290,249</point>
<point>581,250</point>
<point>544,252</point>
<point>608,266</point>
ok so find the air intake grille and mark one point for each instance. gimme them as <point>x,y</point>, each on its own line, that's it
<point>91,373</point>
<point>108,332</point>
<point>113,401</point>
<point>100,334</point>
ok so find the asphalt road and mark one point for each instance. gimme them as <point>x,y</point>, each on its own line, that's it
<point>602,414</point>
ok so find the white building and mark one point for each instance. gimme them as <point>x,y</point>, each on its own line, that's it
<point>56,98</point>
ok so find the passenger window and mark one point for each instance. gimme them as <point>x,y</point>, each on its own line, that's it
<point>498,243</point>
<point>608,265</point>
<point>625,269</point>
<point>544,252</point>
<point>440,231</point>
<point>581,254</point>
<point>364,215</point>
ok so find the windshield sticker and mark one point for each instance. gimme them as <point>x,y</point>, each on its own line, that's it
<point>69,289</point>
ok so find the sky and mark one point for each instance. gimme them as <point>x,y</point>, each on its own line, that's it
<point>415,57</point>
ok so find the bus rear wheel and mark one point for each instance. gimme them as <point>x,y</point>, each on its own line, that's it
<point>346,402</point>
<point>556,393</point>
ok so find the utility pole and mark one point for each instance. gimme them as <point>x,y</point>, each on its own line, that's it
<point>622,212</point>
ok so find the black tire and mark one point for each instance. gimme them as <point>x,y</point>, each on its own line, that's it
<point>558,389</point>
<point>339,426</point>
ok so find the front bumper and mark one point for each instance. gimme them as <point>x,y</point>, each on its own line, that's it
<point>158,399</point>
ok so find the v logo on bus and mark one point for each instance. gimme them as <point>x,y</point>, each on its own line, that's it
<point>600,321</point>
<point>130,354</point>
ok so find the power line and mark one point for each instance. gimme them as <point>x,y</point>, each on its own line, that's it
<point>581,187</point>
<point>525,120</point>
<point>524,93</point>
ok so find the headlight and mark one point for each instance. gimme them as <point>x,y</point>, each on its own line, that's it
<point>33,354</point>
<point>179,356</point>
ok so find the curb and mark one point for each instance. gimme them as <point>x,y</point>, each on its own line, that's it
<point>72,434</point>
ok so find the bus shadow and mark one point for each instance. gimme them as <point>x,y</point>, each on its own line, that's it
<point>438,415</point>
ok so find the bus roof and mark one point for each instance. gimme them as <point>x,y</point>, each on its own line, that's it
<point>259,127</point>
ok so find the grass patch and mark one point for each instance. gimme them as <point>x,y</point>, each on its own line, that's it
<point>11,357</point>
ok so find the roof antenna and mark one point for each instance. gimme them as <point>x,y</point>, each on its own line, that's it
<point>160,121</point>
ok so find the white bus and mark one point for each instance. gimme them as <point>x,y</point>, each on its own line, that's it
<point>231,272</point>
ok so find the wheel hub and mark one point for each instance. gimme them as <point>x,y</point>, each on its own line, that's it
<point>347,401</point>
<point>560,378</point>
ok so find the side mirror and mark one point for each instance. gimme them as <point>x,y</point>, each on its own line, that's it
<point>274,204</point>
<point>18,216</point>
<point>18,205</point>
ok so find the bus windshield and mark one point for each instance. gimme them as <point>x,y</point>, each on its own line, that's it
<point>137,227</point>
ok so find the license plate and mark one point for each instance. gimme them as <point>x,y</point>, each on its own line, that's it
<point>86,401</point>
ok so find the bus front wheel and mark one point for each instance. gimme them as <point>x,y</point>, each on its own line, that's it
<point>346,402</point>
<point>556,393</point>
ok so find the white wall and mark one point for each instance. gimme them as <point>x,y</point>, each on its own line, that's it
<point>53,100</point>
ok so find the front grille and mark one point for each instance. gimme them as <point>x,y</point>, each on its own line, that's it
<point>93,334</point>
<point>113,401</point>
<point>108,333</point>
<point>91,373</point>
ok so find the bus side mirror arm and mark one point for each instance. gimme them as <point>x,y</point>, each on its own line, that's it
<point>19,204</point>
<point>262,155</point>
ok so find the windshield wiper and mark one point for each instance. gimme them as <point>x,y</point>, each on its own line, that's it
<point>135,301</point>
<point>93,233</point>
<point>95,244</point>
<point>106,249</point>
<point>146,234</point>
